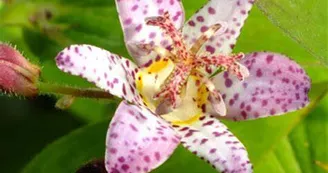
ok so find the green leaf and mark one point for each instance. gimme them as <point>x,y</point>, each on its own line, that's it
<point>317,132</point>
<point>286,156</point>
<point>305,146</point>
<point>303,20</point>
<point>27,126</point>
<point>67,154</point>
<point>274,166</point>
<point>299,141</point>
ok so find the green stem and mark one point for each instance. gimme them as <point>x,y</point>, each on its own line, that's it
<point>46,88</point>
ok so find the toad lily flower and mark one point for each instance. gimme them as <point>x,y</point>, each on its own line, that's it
<point>173,96</point>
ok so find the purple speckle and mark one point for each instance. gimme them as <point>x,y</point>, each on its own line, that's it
<point>228,83</point>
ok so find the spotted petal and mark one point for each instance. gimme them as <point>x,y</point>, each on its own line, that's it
<point>137,140</point>
<point>275,85</point>
<point>229,13</point>
<point>132,15</point>
<point>108,71</point>
<point>213,142</point>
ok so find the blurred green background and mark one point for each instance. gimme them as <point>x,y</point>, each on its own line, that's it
<point>37,138</point>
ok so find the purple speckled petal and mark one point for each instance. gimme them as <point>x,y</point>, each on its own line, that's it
<point>108,71</point>
<point>231,14</point>
<point>132,15</point>
<point>137,140</point>
<point>275,85</point>
<point>210,140</point>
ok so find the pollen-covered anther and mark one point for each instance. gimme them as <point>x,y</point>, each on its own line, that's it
<point>145,47</point>
<point>162,52</point>
<point>228,62</point>
<point>205,37</point>
<point>214,97</point>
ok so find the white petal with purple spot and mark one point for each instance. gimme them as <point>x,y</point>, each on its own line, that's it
<point>229,13</point>
<point>108,71</point>
<point>276,85</point>
<point>210,140</point>
<point>132,15</point>
<point>137,140</point>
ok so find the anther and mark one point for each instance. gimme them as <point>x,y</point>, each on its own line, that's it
<point>162,52</point>
<point>215,97</point>
<point>228,62</point>
<point>205,37</point>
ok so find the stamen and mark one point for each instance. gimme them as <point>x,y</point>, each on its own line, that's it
<point>145,47</point>
<point>165,23</point>
<point>240,70</point>
<point>204,37</point>
<point>215,96</point>
<point>228,62</point>
<point>162,52</point>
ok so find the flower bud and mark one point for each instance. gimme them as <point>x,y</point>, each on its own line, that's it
<point>17,75</point>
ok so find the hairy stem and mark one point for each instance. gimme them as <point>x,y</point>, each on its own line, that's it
<point>46,88</point>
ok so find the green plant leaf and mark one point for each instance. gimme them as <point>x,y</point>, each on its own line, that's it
<point>70,152</point>
<point>305,146</point>
<point>27,126</point>
<point>299,141</point>
<point>303,20</point>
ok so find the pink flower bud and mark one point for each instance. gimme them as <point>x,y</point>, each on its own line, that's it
<point>17,75</point>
